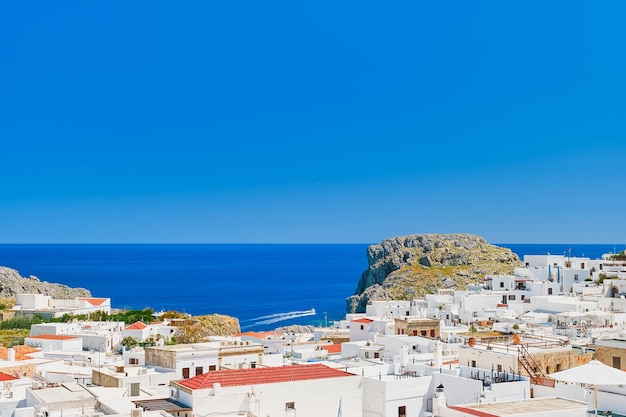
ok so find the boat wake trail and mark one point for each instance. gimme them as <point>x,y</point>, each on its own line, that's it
<point>277,317</point>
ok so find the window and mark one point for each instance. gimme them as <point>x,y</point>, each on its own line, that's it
<point>414,332</point>
<point>523,297</point>
<point>501,284</point>
<point>367,355</point>
<point>432,332</point>
<point>362,327</point>
<point>185,373</point>
<point>253,365</point>
<point>199,370</point>
<point>511,297</point>
<point>212,367</point>
<point>549,291</point>
<point>499,368</point>
<point>582,265</point>
<point>290,406</point>
<point>376,355</point>
<point>575,277</point>
<point>402,411</point>
<point>423,332</point>
<point>133,361</point>
<point>617,362</point>
<point>473,364</point>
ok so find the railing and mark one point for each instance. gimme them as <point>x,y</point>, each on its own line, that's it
<point>537,376</point>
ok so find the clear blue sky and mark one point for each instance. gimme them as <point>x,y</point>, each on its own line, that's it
<point>312,122</point>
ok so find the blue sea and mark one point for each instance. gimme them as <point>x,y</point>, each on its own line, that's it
<point>264,285</point>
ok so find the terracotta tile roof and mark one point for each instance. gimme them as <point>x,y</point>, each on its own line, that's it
<point>94,301</point>
<point>334,348</point>
<point>363,320</point>
<point>255,376</point>
<point>21,352</point>
<point>471,411</point>
<point>6,377</point>
<point>53,337</point>
<point>136,326</point>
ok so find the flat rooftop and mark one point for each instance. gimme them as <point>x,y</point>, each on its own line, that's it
<point>532,406</point>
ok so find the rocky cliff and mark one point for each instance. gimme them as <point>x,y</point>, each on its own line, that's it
<point>12,283</point>
<point>219,324</point>
<point>408,267</point>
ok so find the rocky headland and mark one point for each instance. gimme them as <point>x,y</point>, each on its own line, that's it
<point>219,324</point>
<point>409,267</point>
<point>12,283</point>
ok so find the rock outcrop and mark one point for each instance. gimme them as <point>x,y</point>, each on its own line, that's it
<point>219,324</point>
<point>408,267</point>
<point>295,328</point>
<point>12,283</point>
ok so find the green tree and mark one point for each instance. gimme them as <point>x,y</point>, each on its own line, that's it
<point>129,342</point>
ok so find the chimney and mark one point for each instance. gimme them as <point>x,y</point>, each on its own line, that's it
<point>439,401</point>
<point>11,354</point>
<point>404,355</point>
<point>437,354</point>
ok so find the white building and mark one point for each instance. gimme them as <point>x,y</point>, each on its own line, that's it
<point>189,360</point>
<point>52,342</point>
<point>101,336</point>
<point>366,328</point>
<point>394,395</point>
<point>297,390</point>
<point>476,306</point>
<point>389,309</point>
<point>54,308</point>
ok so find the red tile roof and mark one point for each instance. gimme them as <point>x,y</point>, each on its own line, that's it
<point>6,377</point>
<point>94,301</point>
<point>363,320</point>
<point>334,348</point>
<point>255,376</point>
<point>53,337</point>
<point>472,411</point>
<point>21,352</point>
<point>136,326</point>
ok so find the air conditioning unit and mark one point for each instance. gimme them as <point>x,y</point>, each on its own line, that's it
<point>136,412</point>
<point>174,393</point>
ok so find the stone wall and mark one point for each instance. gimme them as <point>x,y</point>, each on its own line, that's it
<point>605,354</point>
<point>553,360</point>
